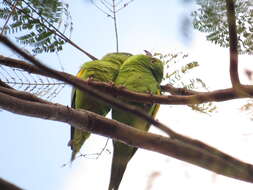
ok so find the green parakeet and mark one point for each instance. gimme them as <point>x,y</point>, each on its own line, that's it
<point>104,70</point>
<point>139,73</point>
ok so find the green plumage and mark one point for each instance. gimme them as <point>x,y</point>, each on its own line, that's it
<point>104,70</point>
<point>139,73</point>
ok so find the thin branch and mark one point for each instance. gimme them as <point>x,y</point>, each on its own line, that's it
<point>111,10</point>
<point>115,25</point>
<point>119,2</point>
<point>233,43</point>
<point>104,12</point>
<point>107,5</point>
<point>94,123</point>
<point>124,5</point>
<point>8,18</point>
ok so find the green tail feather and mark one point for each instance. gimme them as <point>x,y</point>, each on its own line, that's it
<point>121,155</point>
<point>73,156</point>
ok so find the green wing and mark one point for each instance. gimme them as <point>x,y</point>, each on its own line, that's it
<point>104,70</point>
<point>143,74</point>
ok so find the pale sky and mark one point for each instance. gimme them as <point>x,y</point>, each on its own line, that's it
<point>34,150</point>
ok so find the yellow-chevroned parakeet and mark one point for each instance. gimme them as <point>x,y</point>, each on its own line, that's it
<point>139,73</point>
<point>104,70</point>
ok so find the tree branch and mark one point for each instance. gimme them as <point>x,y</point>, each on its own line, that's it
<point>94,123</point>
<point>22,95</point>
<point>175,137</point>
<point>5,185</point>
<point>177,146</point>
<point>185,96</point>
<point>88,89</point>
<point>174,91</point>
<point>233,43</point>
<point>115,25</point>
<point>179,137</point>
<point>3,84</point>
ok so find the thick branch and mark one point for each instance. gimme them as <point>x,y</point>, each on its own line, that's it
<point>185,96</point>
<point>94,123</point>
<point>5,185</point>
<point>233,42</point>
<point>179,137</point>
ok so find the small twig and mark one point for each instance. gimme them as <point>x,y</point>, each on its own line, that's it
<point>8,18</point>
<point>98,154</point>
<point>115,25</point>
<point>111,10</point>
<point>124,5</point>
<point>107,6</point>
<point>103,149</point>
<point>104,12</point>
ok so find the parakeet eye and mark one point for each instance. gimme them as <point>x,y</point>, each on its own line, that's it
<point>153,60</point>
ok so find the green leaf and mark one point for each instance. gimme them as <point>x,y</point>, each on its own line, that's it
<point>34,21</point>
<point>211,18</point>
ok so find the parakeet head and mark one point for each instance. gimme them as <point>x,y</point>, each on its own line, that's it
<point>152,64</point>
<point>156,66</point>
<point>117,58</point>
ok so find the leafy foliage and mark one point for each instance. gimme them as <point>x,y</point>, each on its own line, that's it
<point>33,22</point>
<point>211,18</point>
<point>177,70</point>
<point>40,86</point>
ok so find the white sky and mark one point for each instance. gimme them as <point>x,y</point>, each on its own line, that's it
<point>38,148</point>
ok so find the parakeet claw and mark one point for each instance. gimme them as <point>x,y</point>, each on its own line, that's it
<point>111,84</point>
<point>121,87</point>
<point>90,78</point>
